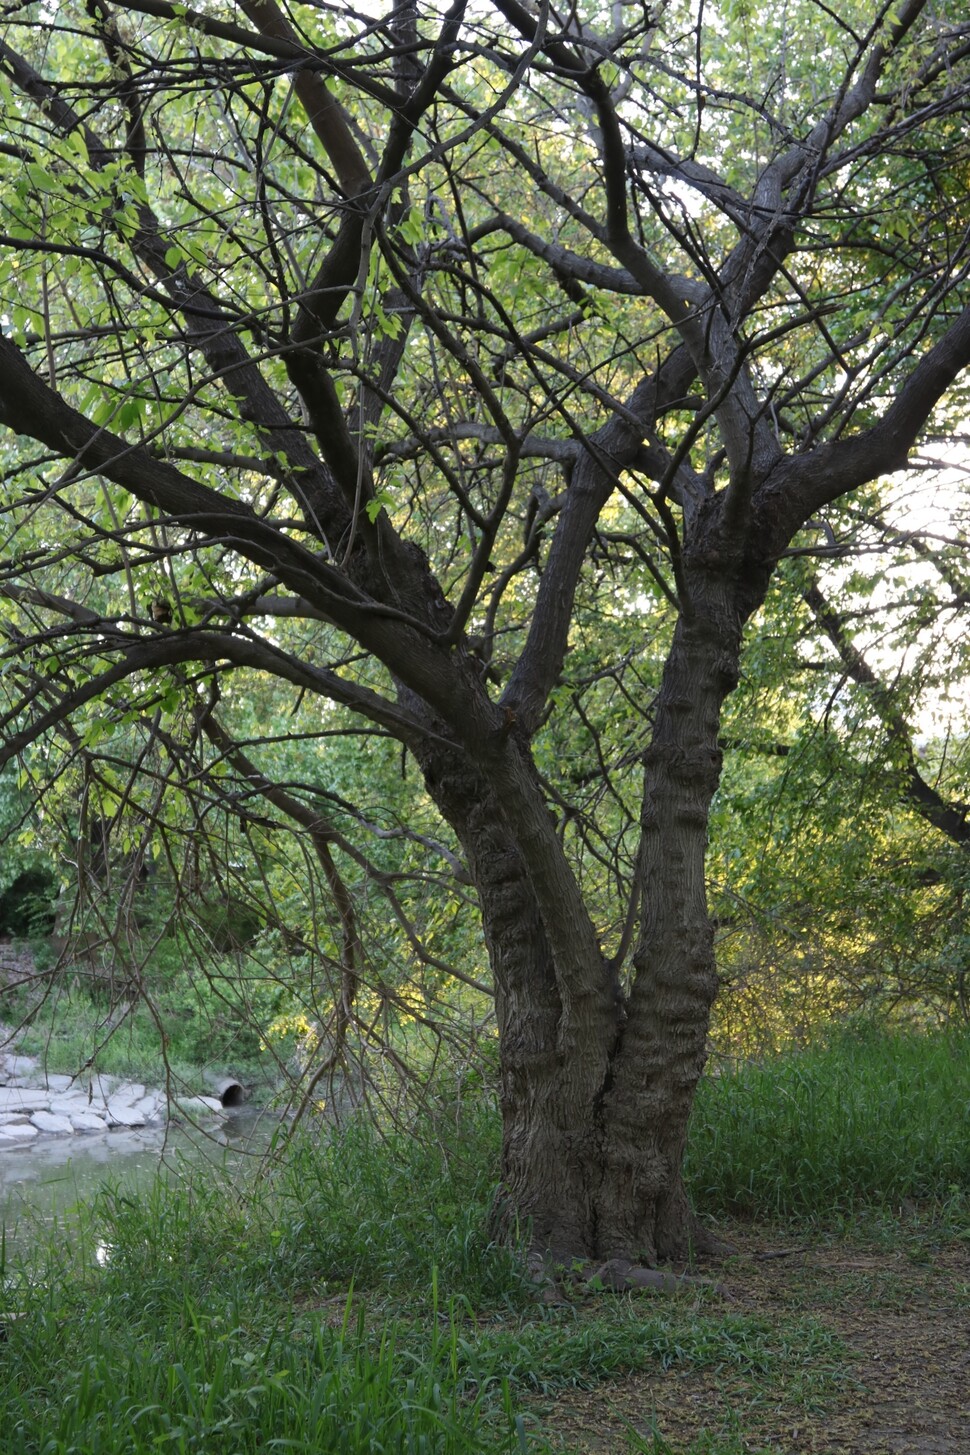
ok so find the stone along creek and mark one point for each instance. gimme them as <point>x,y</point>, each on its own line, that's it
<point>62,1141</point>
<point>34,1104</point>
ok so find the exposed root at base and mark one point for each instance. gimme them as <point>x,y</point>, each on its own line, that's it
<point>706,1243</point>
<point>619,1274</point>
<point>614,1275</point>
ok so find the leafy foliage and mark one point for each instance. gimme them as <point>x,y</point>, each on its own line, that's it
<point>407,416</point>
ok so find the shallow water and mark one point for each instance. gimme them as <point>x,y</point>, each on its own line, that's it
<point>45,1182</point>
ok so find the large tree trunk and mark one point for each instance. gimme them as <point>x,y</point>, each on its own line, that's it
<point>597,1086</point>
<point>553,1064</point>
<point>663,1049</point>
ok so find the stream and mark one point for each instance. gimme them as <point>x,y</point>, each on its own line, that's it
<point>43,1183</point>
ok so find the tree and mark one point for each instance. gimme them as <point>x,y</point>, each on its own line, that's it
<point>396,358</point>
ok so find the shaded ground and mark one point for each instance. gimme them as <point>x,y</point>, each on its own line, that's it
<point>898,1382</point>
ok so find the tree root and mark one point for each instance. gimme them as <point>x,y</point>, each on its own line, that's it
<point>619,1274</point>
<point>705,1243</point>
<point>614,1275</point>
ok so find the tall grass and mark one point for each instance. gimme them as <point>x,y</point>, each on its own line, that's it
<point>350,1298</point>
<point>210,1384</point>
<point>868,1118</point>
<point>208,1317</point>
<point>208,1378</point>
<point>388,1210</point>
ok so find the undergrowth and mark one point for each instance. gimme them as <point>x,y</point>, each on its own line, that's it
<point>867,1119</point>
<point>348,1296</point>
<point>79,1022</point>
<point>219,1317</point>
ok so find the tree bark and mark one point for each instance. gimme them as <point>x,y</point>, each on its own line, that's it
<point>642,1202</point>
<point>597,1087</point>
<point>553,1061</point>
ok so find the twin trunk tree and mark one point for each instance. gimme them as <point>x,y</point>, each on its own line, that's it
<point>396,330</point>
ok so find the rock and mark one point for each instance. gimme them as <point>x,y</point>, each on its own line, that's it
<point>88,1121</point>
<point>16,1098</point>
<point>46,1121</point>
<point>18,1065</point>
<point>66,1105</point>
<point>150,1106</point>
<point>121,1113</point>
<point>63,1105</point>
<point>98,1086</point>
<point>18,1133</point>
<point>57,1082</point>
<point>193,1105</point>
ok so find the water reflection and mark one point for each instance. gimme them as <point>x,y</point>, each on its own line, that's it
<point>47,1181</point>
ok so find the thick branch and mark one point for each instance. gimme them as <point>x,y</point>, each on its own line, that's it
<point>151,653</point>
<point>949,818</point>
<point>404,642</point>
<point>324,111</point>
<point>602,457</point>
<point>802,484</point>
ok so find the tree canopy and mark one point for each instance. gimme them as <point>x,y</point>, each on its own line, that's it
<point>468,374</point>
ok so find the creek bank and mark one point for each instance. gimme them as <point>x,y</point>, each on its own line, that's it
<point>34,1103</point>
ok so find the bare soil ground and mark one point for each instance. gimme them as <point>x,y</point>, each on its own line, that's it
<point>900,1385</point>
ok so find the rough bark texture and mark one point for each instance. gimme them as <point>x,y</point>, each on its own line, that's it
<point>660,1059</point>
<point>597,1085</point>
<point>553,1064</point>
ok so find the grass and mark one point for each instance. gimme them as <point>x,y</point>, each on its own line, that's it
<point>391,1211</point>
<point>705,1444</point>
<point>73,1027</point>
<point>350,1298</point>
<point>864,1121</point>
<point>208,1380</point>
<point>571,1351</point>
<point>132,1051</point>
<point>184,1321</point>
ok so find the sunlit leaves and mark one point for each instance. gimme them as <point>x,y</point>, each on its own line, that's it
<point>418,380</point>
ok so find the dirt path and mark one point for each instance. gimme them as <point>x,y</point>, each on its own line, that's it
<point>899,1384</point>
